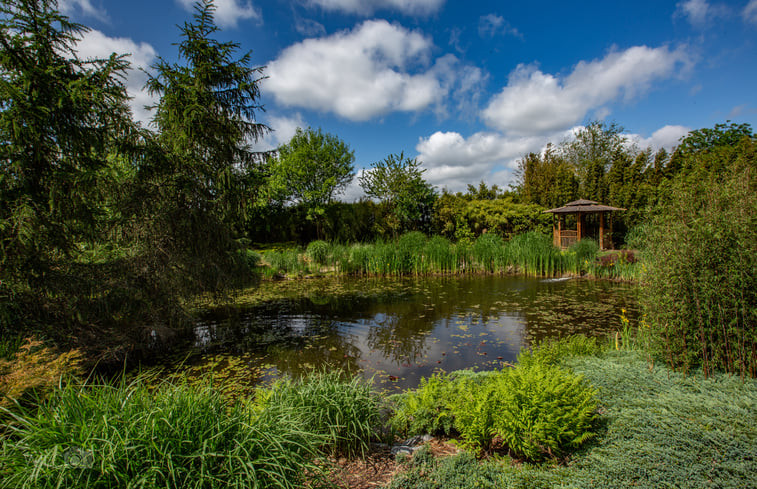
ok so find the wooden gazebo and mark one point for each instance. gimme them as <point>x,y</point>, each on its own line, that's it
<point>580,209</point>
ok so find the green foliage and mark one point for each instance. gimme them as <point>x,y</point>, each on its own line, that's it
<point>488,251</point>
<point>61,117</point>
<point>311,169</point>
<point>701,255</point>
<point>426,409</point>
<point>318,252</point>
<point>343,412</point>
<point>169,436</point>
<point>554,352</point>
<point>398,183</point>
<point>534,254</point>
<point>464,216</point>
<point>544,411</point>
<point>583,254</point>
<point>660,429</point>
<point>535,410</point>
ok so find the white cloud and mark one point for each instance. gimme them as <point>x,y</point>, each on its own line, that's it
<point>453,161</point>
<point>83,7</point>
<point>666,137</point>
<point>491,25</point>
<point>309,27</point>
<point>368,7</point>
<point>750,12</point>
<point>95,44</point>
<point>283,128</point>
<point>700,13</point>
<point>693,10</point>
<point>228,13</point>
<point>534,102</point>
<point>363,73</point>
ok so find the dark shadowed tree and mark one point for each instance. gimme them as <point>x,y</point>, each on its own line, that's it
<point>60,118</point>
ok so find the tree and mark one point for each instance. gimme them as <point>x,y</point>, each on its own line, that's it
<point>397,182</point>
<point>311,169</point>
<point>205,168</point>
<point>60,119</point>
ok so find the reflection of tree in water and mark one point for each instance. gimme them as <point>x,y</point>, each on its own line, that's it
<point>399,339</point>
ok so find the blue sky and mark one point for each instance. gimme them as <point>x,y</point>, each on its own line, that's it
<point>467,87</point>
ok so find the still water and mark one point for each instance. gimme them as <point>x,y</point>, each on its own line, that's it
<point>399,330</point>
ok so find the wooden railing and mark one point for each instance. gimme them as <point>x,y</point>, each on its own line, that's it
<point>568,238</point>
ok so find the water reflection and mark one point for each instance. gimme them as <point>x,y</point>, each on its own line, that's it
<point>400,330</point>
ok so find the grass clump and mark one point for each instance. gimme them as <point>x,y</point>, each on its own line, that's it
<point>170,436</point>
<point>344,412</point>
<point>318,252</point>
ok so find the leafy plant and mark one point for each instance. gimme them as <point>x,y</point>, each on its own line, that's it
<point>544,411</point>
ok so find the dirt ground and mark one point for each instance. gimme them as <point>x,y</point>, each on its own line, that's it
<point>378,468</point>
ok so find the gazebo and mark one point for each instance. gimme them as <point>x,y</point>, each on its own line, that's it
<point>593,227</point>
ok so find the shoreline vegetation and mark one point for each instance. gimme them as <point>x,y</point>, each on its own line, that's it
<point>592,414</point>
<point>413,253</point>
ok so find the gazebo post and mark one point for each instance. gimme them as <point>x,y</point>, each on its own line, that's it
<point>579,226</point>
<point>601,230</point>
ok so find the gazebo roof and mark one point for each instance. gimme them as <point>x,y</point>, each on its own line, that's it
<point>583,206</point>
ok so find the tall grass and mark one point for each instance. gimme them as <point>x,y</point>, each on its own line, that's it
<point>171,436</point>
<point>415,254</point>
<point>342,411</point>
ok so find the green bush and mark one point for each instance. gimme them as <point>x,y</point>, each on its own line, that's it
<point>426,409</point>
<point>536,410</point>
<point>700,257</point>
<point>344,412</point>
<point>169,436</point>
<point>544,411</point>
<point>318,252</point>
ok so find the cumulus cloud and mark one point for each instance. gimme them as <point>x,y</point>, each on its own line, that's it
<point>283,128</point>
<point>492,25</point>
<point>534,102</point>
<point>82,7</point>
<point>666,137</point>
<point>228,13</point>
<point>750,12</point>
<point>359,74</point>
<point>368,7</point>
<point>95,44</point>
<point>453,161</point>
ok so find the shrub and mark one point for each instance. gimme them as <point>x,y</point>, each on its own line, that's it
<point>344,412</point>
<point>426,409</point>
<point>318,252</point>
<point>170,436</point>
<point>700,291</point>
<point>536,410</point>
<point>544,411</point>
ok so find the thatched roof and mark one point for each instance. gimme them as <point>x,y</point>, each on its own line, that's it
<point>583,206</point>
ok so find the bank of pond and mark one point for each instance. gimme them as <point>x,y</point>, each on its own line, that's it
<point>414,253</point>
<point>579,412</point>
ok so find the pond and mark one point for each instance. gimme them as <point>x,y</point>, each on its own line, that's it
<point>399,330</point>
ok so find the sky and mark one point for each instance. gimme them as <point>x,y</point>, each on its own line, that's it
<point>469,87</point>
